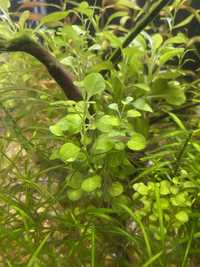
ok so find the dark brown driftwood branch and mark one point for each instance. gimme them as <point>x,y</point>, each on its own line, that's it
<point>28,45</point>
<point>140,25</point>
<point>157,119</point>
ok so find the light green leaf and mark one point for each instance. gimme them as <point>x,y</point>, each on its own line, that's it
<point>175,94</point>
<point>177,121</point>
<point>141,104</point>
<point>69,152</point>
<point>103,144</point>
<point>74,195</point>
<point>74,181</point>
<point>5,4</point>
<point>179,199</point>
<point>91,183</point>
<point>164,203</point>
<point>54,17</point>
<point>132,113</point>
<point>114,106</point>
<point>157,41</point>
<point>107,123</point>
<point>85,9</point>
<point>71,123</point>
<point>175,52</point>
<point>184,22</point>
<point>137,142</point>
<point>164,187</point>
<point>94,84</point>
<point>141,188</point>
<point>182,216</point>
<point>116,189</point>
<point>180,38</point>
<point>142,86</point>
<point>23,18</point>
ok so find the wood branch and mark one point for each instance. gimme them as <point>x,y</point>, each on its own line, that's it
<point>140,25</point>
<point>55,68</point>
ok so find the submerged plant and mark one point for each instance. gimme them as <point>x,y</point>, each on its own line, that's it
<point>108,177</point>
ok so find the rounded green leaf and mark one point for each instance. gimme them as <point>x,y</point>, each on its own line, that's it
<point>182,216</point>
<point>71,123</point>
<point>69,152</point>
<point>141,188</point>
<point>164,187</point>
<point>5,4</point>
<point>91,183</point>
<point>137,142</point>
<point>74,181</point>
<point>164,203</point>
<point>94,84</point>
<point>107,122</point>
<point>103,144</point>
<point>74,195</point>
<point>116,189</point>
<point>175,94</point>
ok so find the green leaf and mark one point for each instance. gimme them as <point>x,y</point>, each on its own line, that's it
<point>85,9</point>
<point>91,183</point>
<point>132,113</point>
<point>180,38</point>
<point>33,259</point>
<point>141,188</point>
<point>69,152</point>
<point>184,22</point>
<point>164,203</point>
<point>170,74</point>
<point>103,144</point>
<point>157,41</point>
<point>177,121</point>
<point>5,4</point>
<point>137,142</point>
<point>54,17</point>
<point>175,94</point>
<point>142,86</point>
<point>141,104</point>
<point>94,84</point>
<point>164,187</point>
<point>107,123</point>
<point>23,18</point>
<point>71,123</point>
<point>179,199</point>
<point>116,189</point>
<point>74,195</point>
<point>74,181</point>
<point>114,106</point>
<point>182,216</point>
<point>175,52</point>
